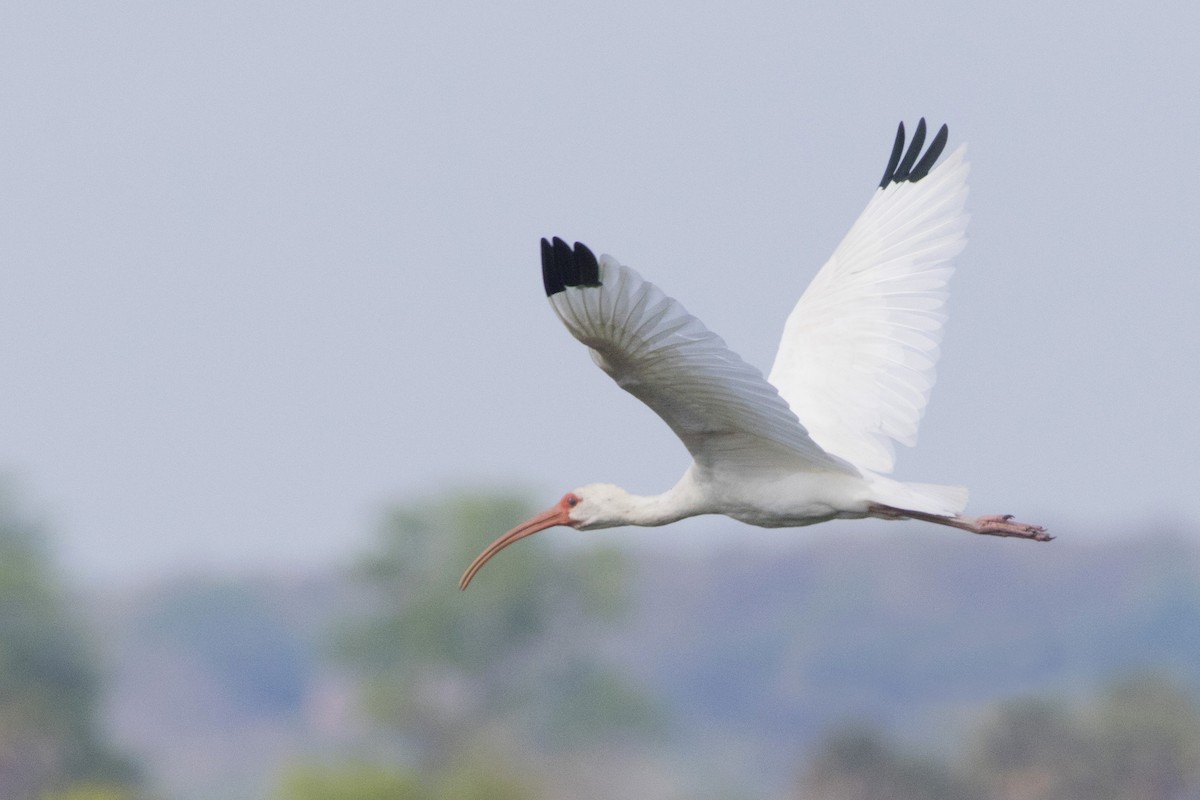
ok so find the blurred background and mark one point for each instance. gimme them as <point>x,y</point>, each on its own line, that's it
<point>277,364</point>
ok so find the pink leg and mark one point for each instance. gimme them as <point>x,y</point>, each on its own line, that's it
<point>991,526</point>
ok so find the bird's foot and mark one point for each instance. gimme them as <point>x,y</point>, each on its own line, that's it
<point>996,525</point>
<point>1002,525</point>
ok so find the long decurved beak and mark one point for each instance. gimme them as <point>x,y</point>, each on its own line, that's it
<point>547,519</point>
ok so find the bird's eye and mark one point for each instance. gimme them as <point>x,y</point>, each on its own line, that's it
<point>572,500</point>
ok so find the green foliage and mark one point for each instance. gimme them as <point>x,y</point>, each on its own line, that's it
<point>903,625</point>
<point>862,765</point>
<point>1038,748</point>
<point>367,781</point>
<point>1147,735</point>
<point>592,702</point>
<point>479,777</point>
<point>92,791</point>
<point>49,686</point>
<point>349,782</point>
<point>514,651</point>
<point>423,550</point>
<point>1138,740</point>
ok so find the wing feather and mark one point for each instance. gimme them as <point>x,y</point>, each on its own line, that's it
<point>718,405</point>
<point>857,358</point>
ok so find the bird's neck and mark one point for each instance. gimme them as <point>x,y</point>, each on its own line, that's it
<point>649,511</point>
<point>673,505</point>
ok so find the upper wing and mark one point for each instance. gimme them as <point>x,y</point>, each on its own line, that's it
<point>720,406</point>
<point>857,358</point>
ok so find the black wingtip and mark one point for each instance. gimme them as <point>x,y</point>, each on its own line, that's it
<point>563,266</point>
<point>589,267</point>
<point>909,168</point>
<point>897,149</point>
<point>564,262</point>
<point>931,155</point>
<point>910,157</point>
<point>551,278</point>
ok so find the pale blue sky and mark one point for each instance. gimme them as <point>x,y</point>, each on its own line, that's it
<point>267,267</point>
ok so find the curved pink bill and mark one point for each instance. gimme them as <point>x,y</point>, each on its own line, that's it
<point>547,519</point>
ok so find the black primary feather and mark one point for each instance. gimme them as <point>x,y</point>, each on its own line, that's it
<point>564,262</point>
<point>589,267</point>
<point>897,149</point>
<point>931,155</point>
<point>551,277</point>
<point>914,150</point>
<point>562,267</point>
<point>909,168</point>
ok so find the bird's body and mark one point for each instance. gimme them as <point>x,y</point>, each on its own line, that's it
<point>768,499</point>
<point>814,441</point>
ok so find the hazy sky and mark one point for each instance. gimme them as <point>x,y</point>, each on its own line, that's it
<point>267,267</point>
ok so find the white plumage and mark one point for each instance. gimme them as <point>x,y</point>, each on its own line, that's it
<point>852,375</point>
<point>718,405</point>
<point>857,358</point>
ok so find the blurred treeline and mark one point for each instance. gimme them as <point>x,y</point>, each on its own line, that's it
<point>52,742</point>
<point>837,663</point>
<point>1135,739</point>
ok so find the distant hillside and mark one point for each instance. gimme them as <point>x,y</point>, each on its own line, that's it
<point>755,650</point>
<point>910,629</point>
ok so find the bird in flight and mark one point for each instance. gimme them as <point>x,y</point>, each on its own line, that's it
<point>812,441</point>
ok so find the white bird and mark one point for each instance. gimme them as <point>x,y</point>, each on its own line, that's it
<point>814,440</point>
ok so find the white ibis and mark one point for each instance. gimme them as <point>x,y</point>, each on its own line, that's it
<point>813,441</point>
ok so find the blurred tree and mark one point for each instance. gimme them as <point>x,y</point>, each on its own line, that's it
<point>366,781</point>
<point>93,791</point>
<point>49,683</point>
<point>1148,740</point>
<point>1138,740</point>
<point>359,781</point>
<point>517,652</point>
<point>1035,750</point>
<point>862,765</point>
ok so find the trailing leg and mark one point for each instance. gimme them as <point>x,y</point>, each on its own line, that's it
<point>990,525</point>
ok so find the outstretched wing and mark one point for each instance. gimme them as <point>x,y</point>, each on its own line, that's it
<point>718,405</point>
<point>857,358</point>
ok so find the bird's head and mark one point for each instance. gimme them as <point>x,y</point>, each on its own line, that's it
<point>597,505</point>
